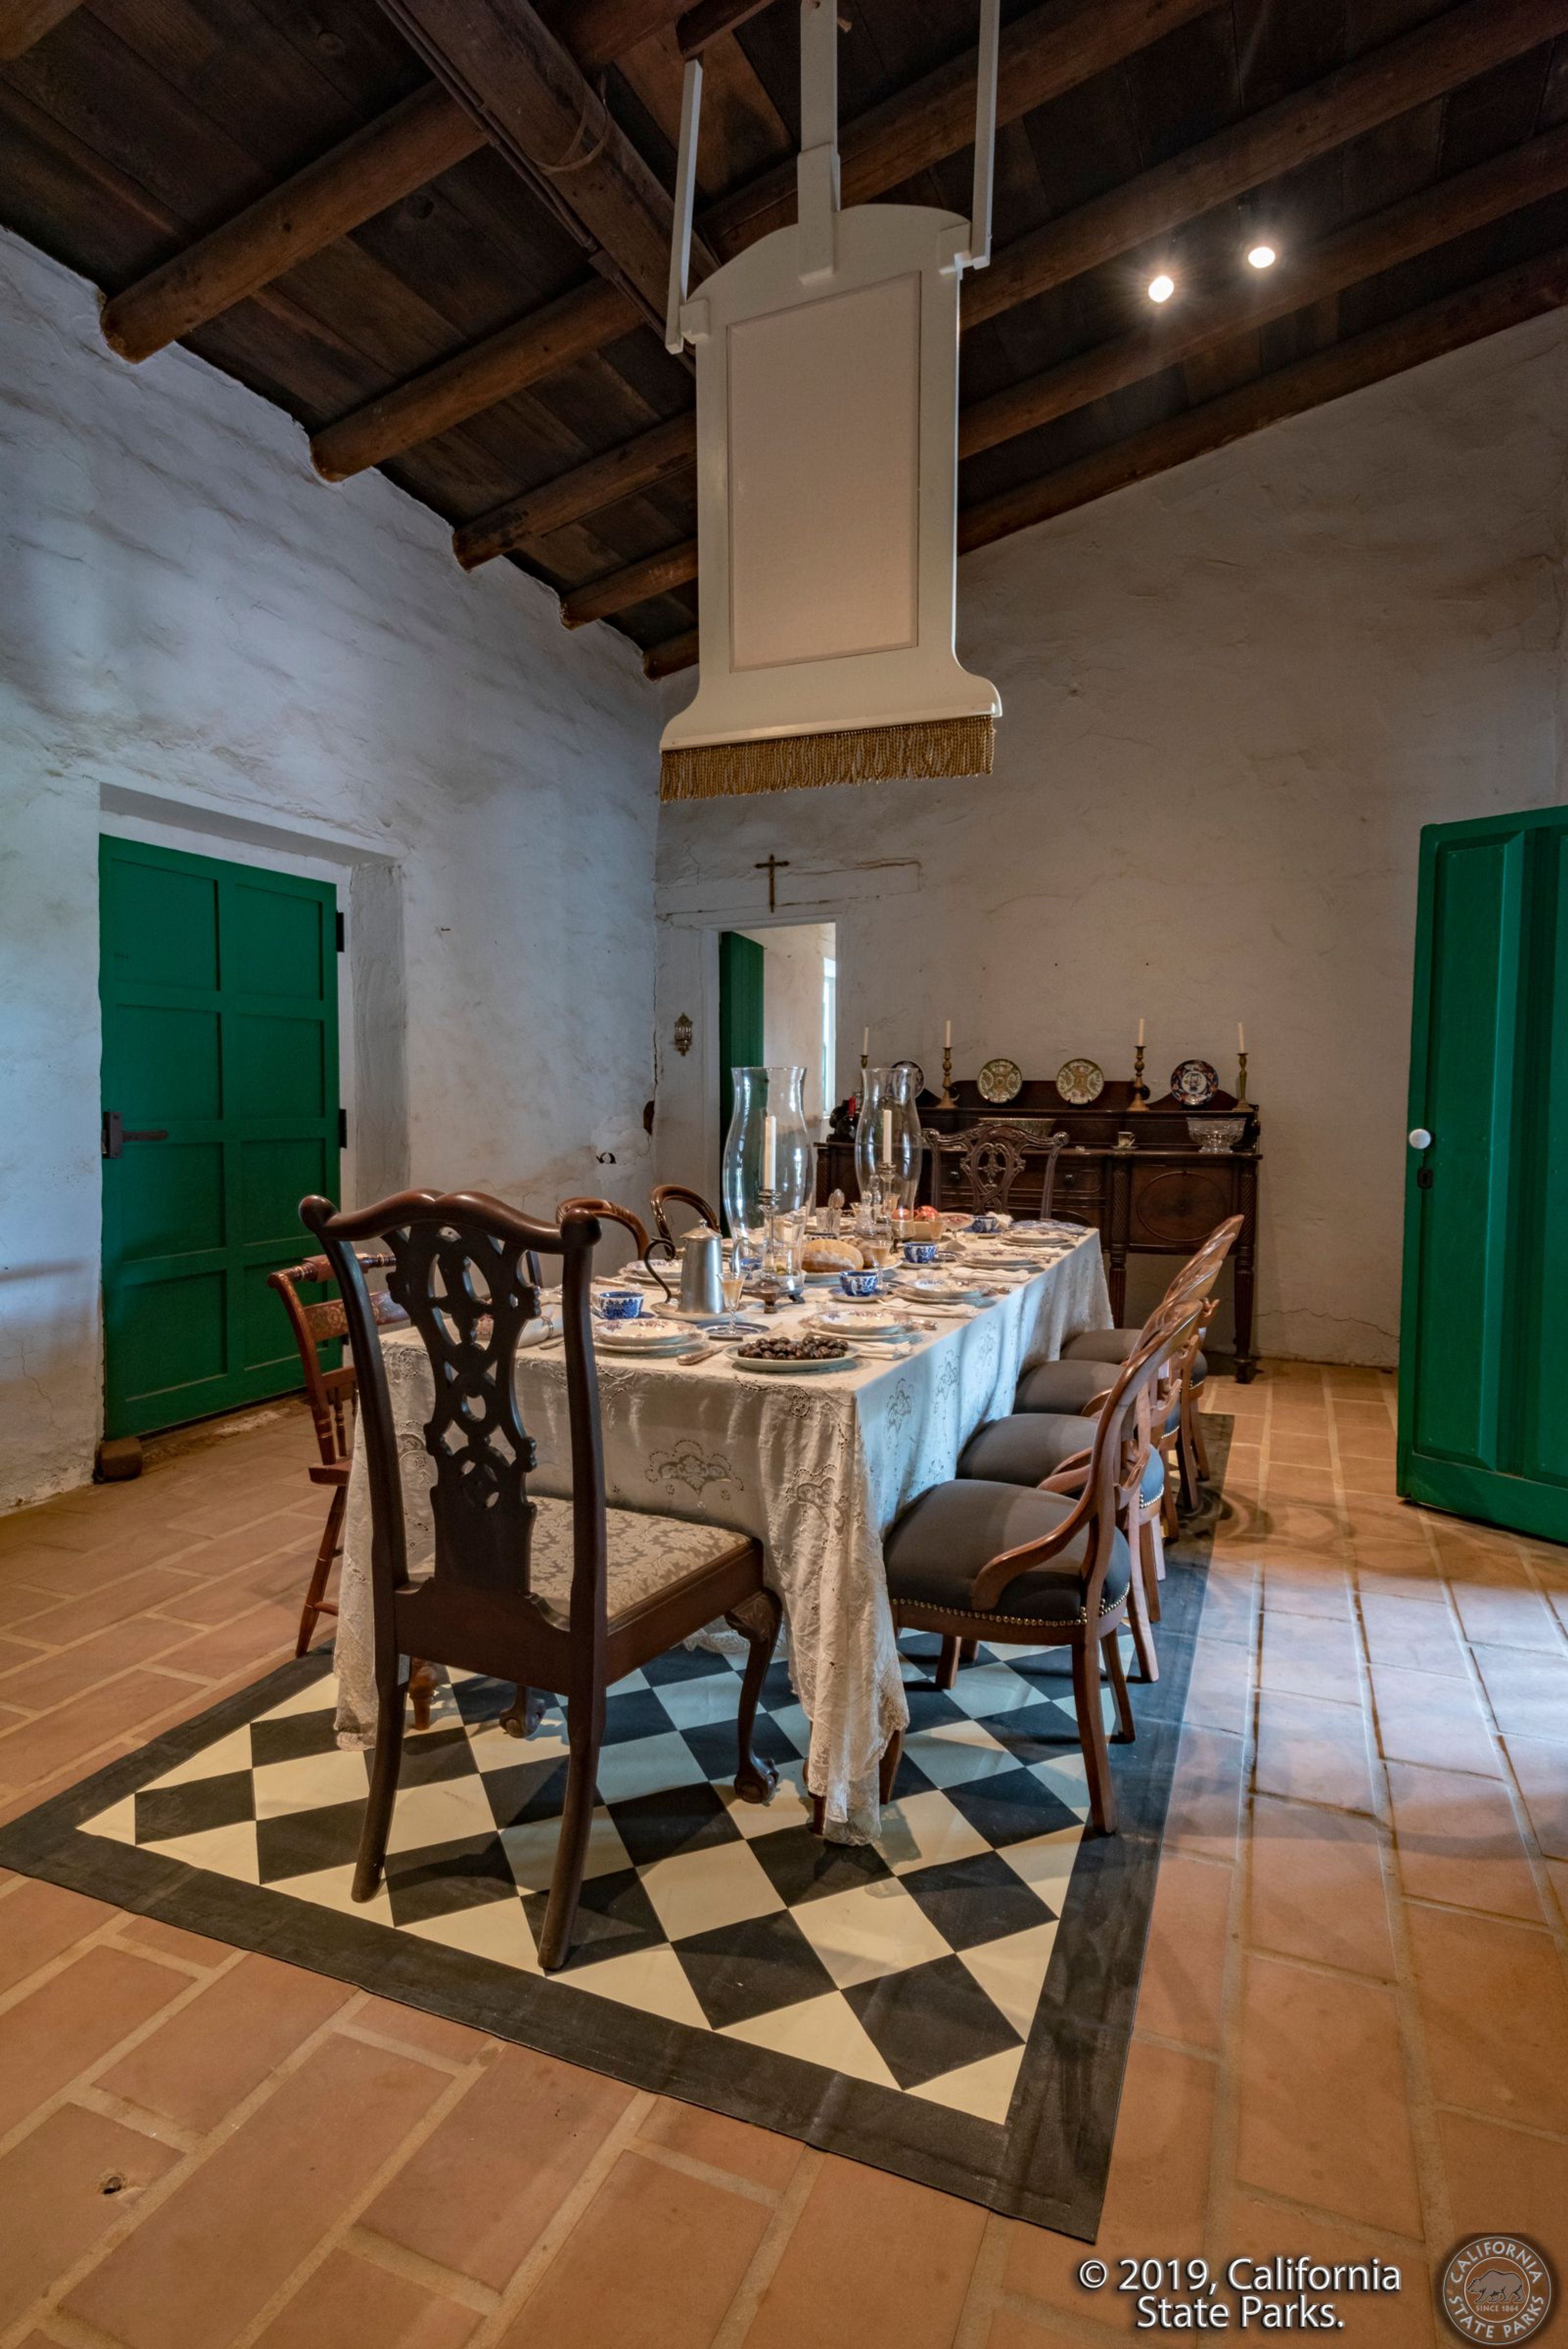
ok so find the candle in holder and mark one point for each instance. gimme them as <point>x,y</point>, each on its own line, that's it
<point>1241,1038</point>
<point>887,1137</point>
<point>1140,1031</point>
<point>947,1036</point>
<point>866,1043</point>
<point>770,1151</point>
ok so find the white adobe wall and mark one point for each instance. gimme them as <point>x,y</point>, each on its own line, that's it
<point>792,1004</point>
<point>1234,696</point>
<point>198,636</point>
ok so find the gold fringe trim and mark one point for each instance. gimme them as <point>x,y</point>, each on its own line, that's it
<point>858,754</point>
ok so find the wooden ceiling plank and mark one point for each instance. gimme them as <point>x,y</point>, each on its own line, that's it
<point>478,378</point>
<point>1485,308</point>
<point>501,61</point>
<point>697,28</point>
<point>597,32</point>
<point>592,488</point>
<point>1469,200</point>
<point>1390,81</point>
<point>392,156</point>
<point>674,654</point>
<point>673,568</point>
<point>23,22</point>
<point>1043,55</point>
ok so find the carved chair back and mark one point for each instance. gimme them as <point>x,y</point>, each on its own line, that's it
<point>465,1268</point>
<point>1054,1149</point>
<point>607,1211</point>
<point>991,1163</point>
<point>1118,1456</point>
<point>658,1200</point>
<point>329,1393</point>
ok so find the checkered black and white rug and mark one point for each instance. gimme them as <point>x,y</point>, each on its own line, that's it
<point>915,1963</point>
<point>953,2003</point>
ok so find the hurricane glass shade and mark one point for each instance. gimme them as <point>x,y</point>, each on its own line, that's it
<point>893,1089</point>
<point>761,1094</point>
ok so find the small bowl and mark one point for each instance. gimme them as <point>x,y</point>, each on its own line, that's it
<point>621,1304</point>
<point>920,1251</point>
<point>985,1223</point>
<point>861,1284</point>
<point>1215,1136</point>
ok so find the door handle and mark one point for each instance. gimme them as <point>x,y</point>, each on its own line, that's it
<point>1420,1138</point>
<point>116,1135</point>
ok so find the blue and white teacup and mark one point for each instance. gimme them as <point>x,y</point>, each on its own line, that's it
<point>861,1284</point>
<point>621,1304</point>
<point>920,1251</point>
<point>986,1224</point>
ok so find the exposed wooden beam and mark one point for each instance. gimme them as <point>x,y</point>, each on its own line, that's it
<point>1402,74</point>
<point>1470,199</point>
<point>504,363</point>
<point>1042,55</point>
<point>1482,309</point>
<point>518,81</point>
<point>596,32</point>
<point>23,22</point>
<point>618,591</point>
<point>1489,307</point>
<point>674,653</point>
<point>697,29</point>
<point>1342,106</point>
<point>385,161</point>
<point>659,454</point>
<point>1522,175</point>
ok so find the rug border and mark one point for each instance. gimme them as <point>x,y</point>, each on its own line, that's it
<point>1052,2173</point>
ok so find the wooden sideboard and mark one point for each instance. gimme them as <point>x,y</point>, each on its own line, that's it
<point>1161,1198</point>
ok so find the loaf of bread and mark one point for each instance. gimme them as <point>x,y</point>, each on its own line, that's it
<point>831,1256</point>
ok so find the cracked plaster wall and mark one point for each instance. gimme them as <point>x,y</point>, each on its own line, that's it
<point>1234,696</point>
<point>193,626</point>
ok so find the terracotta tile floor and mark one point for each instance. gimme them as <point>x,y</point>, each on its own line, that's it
<point>1353,2037</point>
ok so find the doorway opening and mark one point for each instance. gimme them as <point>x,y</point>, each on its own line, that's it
<point>778,989</point>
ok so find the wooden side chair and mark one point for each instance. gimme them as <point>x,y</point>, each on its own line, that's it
<point>607,1212</point>
<point>565,1595</point>
<point>659,1199</point>
<point>330,1395</point>
<point>1011,1565</point>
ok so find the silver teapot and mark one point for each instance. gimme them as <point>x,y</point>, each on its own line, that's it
<point>701,1264</point>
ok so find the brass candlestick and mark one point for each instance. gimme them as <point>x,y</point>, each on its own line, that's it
<point>947,1101</point>
<point>1241,1101</point>
<point>1139,1090</point>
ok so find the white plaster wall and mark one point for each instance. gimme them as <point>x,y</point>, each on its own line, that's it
<point>791,1003</point>
<point>197,634</point>
<point>1234,696</point>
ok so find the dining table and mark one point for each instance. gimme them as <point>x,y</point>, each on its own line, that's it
<point>817,1464</point>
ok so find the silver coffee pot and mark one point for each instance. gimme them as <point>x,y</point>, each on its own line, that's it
<point>701,1263</point>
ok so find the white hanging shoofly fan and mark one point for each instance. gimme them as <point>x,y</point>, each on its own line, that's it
<point>828,473</point>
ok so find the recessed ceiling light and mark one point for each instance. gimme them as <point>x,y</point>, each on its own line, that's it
<point>1262,256</point>
<point>1161,288</point>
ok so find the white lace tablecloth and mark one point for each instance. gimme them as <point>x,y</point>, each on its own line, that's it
<point>816,1467</point>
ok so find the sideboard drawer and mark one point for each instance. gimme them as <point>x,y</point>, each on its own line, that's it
<point>1178,1206</point>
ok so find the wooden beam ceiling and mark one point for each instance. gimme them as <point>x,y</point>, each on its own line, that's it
<point>23,22</point>
<point>1046,52</point>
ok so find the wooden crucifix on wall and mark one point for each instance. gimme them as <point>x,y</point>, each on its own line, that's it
<point>773,866</point>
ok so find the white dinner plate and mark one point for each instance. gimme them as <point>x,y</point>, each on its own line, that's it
<point>614,1338</point>
<point>772,1364</point>
<point>829,1323</point>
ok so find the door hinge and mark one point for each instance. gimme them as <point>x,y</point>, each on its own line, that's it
<point>339,933</point>
<point>342,1129</point>
<point>1424,1179</point>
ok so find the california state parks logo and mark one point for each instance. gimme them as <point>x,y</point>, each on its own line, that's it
<point>1495,2288</point>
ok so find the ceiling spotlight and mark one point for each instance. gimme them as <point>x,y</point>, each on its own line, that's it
<point>1162,287</point>
<point>1262,256</point>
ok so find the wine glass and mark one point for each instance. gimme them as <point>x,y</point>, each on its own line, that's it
<point>732,1280</point>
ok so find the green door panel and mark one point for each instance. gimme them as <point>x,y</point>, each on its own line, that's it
<point>740,964</point>
<point>1483,1365</point>
<point>219,988</point>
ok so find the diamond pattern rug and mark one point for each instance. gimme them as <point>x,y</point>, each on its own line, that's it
<point>952,2003</point>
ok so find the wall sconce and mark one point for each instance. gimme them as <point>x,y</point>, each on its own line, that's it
<point>683,1034</point>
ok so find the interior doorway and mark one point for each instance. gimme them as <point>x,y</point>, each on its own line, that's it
<point>778,1000</point>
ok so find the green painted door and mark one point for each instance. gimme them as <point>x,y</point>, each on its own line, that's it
<point>1483,1382</point>
<point>740,1016</point>
<point>219,987</point>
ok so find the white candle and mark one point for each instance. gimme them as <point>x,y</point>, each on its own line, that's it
<point>1241,1038</point>
<point>866,1043</point>
<point>1140,1031</point>
<point>770,1151</point>
<point>947,1036</point>
<point>887,1137</point>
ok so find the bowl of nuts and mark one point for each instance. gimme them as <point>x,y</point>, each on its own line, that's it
<point>796,1354</point>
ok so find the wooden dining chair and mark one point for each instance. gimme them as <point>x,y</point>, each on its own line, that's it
<point>565,1595</point>
<point>658,1201</point>
<point>1013,1565</point>
<point>330,1395</point>
<point>607,1212</point>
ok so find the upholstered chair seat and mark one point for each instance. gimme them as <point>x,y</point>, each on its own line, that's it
<point>940,1543</point>
<point>1118,1346</point>
<point>1032,1444</point>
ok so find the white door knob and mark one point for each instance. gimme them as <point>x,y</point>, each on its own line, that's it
<point>1420,1138</point>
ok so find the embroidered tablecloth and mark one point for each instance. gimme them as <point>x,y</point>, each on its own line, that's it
<point>815,1466</point>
